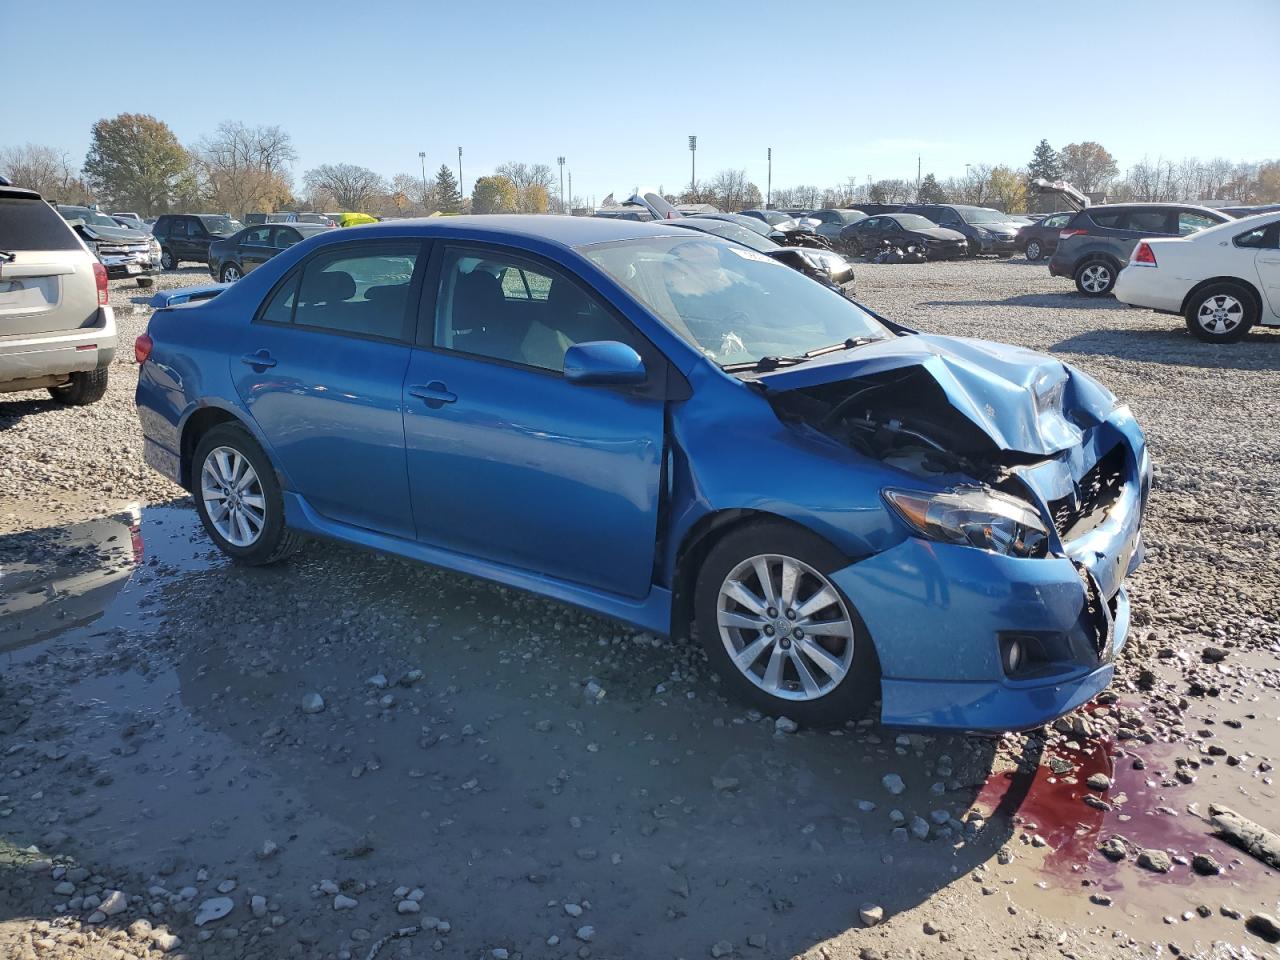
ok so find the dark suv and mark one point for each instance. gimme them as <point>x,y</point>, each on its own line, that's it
<point>1095,245</point>
<point>186,236</point>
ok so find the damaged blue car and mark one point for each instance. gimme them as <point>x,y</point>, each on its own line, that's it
<point>675,431</point>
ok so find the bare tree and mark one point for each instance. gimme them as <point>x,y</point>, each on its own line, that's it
<point>535,184</point>
<point>729,189</point>
<point>45,170</point>
<point>351,187</point>
<point>245,169</point>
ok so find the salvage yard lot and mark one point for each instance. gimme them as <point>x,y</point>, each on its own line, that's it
<point>486,771</point>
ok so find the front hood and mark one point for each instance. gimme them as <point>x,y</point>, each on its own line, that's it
<point>113,234</point>
<point>1022,400</point>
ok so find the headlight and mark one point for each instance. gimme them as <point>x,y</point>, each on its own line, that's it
<point>155,247</point>
<point>973,516</point>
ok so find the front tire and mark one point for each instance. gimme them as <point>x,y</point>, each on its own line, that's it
<point>168,261</point>
<point>239,498</point>
<point>1033,250</point>
<point>779,631</point>
<point>231,273</point>
<point>1221,313</point>
<point>85,388</point>
<point>1095,278</point>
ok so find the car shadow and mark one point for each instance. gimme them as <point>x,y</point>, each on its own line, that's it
<point>1257,350</point>
<point>1055,301</point>
<point>522,749</point>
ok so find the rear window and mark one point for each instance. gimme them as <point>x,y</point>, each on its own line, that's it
<point>33,225</point>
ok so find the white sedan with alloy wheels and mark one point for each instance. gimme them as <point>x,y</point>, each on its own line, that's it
<point>1222,280</point>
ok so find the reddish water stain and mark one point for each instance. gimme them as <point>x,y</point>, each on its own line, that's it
<point>1051,805</point>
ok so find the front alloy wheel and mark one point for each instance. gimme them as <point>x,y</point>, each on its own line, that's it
<point>785,627</point>
<point>777,629</point>
<point>1033,250</point>
<point>233,496</point>
<point>167,260</point>
<point>230,273</point>
<point>1222,313</point>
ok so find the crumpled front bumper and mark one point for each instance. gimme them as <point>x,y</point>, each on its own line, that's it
<point>938,612</point>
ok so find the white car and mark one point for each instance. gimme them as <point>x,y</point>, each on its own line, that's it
<point>1223,280</point>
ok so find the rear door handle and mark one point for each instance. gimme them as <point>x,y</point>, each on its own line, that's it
<point>435,394</point>
<point>262,360</point>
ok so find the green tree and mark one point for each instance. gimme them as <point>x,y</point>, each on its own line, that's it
<point>1009,189</point>
<point>137,163</point>
<point>1088,166</point>
<point>496,194</point>
<point>931,190</point>
<point>1045,163</point>
<point>448,196</point>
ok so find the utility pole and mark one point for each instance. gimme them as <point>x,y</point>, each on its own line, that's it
<point>460,193</point>
<point>768,183</point>
<point>560,160</point>
<point>693,166</point>
<point>422,157</point>
<point>917,178</point>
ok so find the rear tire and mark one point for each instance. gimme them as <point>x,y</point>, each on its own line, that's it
<point>1033,250</point>
<point>85,388</point>
<point>231,273</point>
<point>1096,278</point>
<point>222,484</point>
<point>168,261</point>
<point>791,641</point>
<point>1221,313</point>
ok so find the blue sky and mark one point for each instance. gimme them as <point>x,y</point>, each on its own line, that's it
<point>837,89</point>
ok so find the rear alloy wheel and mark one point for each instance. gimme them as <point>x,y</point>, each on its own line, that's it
<point>239,498</point>
<point>231,273</point>
<point>1221,313</point>
<point>168,261</point>
<point>779,630</point>
<point>1095,278</point>
<point>1033,250</point>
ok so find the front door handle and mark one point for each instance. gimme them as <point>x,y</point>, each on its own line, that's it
<point>262,360</point>
<point>435,394</point>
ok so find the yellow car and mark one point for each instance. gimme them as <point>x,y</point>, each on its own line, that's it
<point>354,219</point>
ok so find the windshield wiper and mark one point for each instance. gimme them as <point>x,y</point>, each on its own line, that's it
<point>767,364</point>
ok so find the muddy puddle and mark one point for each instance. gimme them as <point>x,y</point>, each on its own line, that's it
<point>489,747</point>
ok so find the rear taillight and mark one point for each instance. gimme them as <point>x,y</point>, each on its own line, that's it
<point>1068,234</point>
<point>142,348</point>
<point>100,280</point>
<point>1144,255</point>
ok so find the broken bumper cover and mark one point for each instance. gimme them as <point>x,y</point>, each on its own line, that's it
<point>939,614</point>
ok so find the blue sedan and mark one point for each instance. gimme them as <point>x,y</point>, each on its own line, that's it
<point>675,431</point>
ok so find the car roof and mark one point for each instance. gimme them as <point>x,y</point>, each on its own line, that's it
<point>562,230</point>
<point>18,193</point>
<point>1144,204</point>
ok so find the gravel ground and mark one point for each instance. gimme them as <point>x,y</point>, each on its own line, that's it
<point>353,756</point>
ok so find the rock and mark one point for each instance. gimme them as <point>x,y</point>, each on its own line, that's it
<point>1255,840</point>
<point>258,905</point>
<point>573,910</point>
<point>893,783</point>
<point>871,914</point>
<point>593,692</point>
<point>226,886</point>
<point>1098,781</point>
<point>757,940</point>
<point>267,850</point>
<point>342,902</point>
<point>721,948</point>
<point>940,817</point>
<point>1213,654</point>
<point>919,828</point>
<point>586,933</point>
<point>215,908</point>
<point>724,783</point>
<point>1263,925</point>
<point>500,953</point>
<point>378,681</point>
<point>1114,849</point>
<point>785,725</point>
<point>930,928</point>
<point>65,889</point>
<point>164,941</point>
<point>312,703</point>
<point>1156,861</point>
<point>114,902</point>
<point>408,906</point>
<point>1205,865</point>
<point>1101,899</point>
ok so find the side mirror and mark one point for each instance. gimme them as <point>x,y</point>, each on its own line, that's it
<point>603,361</point>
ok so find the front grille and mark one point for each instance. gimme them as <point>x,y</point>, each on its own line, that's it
<point>1073,516</point>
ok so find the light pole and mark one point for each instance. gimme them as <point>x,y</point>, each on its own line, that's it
<point>768,183</point>
<point>693,166</point>
<point>560,160</point>
<point>459,171</point>
<point>570,211</point>
<point>422,158</point>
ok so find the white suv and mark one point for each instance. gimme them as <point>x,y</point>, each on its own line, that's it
<point>56,329</point>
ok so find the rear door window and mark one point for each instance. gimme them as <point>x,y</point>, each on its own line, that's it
<point>259,236</point>
<point>33,225</point>
<point>285,237</point>
<point>1107,219</point>
<point>178,228</point>
<point>1191,222</point>
<point>1150,221</point>
<point>360,290</point>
